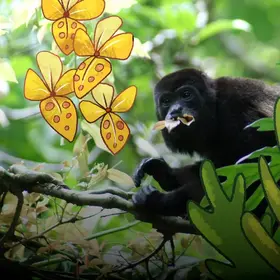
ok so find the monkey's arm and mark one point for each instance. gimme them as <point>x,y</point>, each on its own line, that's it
<point>174,202</point>
<point>160,171</point>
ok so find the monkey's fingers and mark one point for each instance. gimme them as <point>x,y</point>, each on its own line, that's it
<point>149,166</point>
<point>142,197</point>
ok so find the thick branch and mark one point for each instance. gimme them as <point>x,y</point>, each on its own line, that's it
<point>19,178</point>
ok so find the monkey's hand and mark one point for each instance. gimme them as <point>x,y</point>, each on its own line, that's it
<point>160,171</point>
<point>149,199</point>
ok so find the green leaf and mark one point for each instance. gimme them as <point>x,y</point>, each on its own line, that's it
<point>94,131</point>
<point>267,151</point>
<point>277,120</point>
<point>80,150</point>
<point>219,26</point>
<point>270,188</point>
<point>7,72</point>
<point>222,228</point>
<point>264,124</point>
<point>261,240</point>
<point>114,7</point>
<point>172,11</point>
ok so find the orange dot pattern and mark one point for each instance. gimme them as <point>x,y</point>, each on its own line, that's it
<point>114,133</point>
<point>61,115</point>
<point>64,31</point>
<point>89,74</point>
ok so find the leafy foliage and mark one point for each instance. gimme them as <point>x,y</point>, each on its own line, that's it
<point>221,37</point>
<point>249,245</point>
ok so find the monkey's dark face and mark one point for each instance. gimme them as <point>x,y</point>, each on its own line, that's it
<point>185,92</point>
<point>185,99</point>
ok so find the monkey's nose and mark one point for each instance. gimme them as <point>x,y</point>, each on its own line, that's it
<point>175,113</point>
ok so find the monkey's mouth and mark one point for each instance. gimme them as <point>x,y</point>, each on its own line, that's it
<point>186,119</point>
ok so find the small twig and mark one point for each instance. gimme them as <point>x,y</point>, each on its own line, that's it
<point>147,258</point>
<point>2,200</point>
<point>13,225</point>
<point>173,251</point>
<point>59,223</point>
<point>113,214</point>
<point>148,270</point>
<point>48,167</point>
<point>114,191</point>
<point>113,230</point>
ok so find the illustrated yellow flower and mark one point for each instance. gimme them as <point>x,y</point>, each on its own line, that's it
<point>67,14</point>
<point>57,109</point>
<point>114,130</point>
<point>106,44</point>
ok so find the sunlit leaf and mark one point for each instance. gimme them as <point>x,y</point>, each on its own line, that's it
<point>120,178</point>
<point>7,73</point>
<point>139,49</point>
<point>219,26</point>
<point>113,6</point>
<point>23,12</point>
<point>94,131</point>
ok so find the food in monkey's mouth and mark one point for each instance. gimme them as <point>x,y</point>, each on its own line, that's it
<point>171,124</point>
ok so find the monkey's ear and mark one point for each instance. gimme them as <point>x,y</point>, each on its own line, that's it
<point>199,79</point>
<point>209,82</point>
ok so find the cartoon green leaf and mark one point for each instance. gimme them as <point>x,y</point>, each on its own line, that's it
<point>221,227</point>
<point>271,190</point>
<point>261,240</point>
<point>277,120</point>
<point>264,124</point>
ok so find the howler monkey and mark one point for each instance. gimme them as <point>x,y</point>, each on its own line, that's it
<point>222,108</point>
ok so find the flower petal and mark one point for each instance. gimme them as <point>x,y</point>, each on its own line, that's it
<point>91,111</point>
<point>105,29</point>
<point>34,87</point>
<point>52,9</point>
<point>64,31</point>
<point>87,9</point>
<point>125,100</point>
<point>89,74</point>
<point>65,85</point>
<point>83,45</point>
<point>114,132</point>
<point>51,68</point>
<point>103,94</point>
<point>119,47</point>
<point>60,113</point>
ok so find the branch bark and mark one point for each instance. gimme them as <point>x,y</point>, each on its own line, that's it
<point>18,179</point>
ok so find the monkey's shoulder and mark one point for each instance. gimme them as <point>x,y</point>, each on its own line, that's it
<point>246,88</point>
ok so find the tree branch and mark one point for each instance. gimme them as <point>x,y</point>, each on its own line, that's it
<point>19,178</point>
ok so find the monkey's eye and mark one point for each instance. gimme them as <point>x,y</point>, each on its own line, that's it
<point>187,94</point>
<point>165,101</point>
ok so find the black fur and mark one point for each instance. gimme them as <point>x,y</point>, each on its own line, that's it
<point>222,109</point>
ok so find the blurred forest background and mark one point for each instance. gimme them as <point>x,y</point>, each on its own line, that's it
<point>234,37</point>
<point>237,38</point>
